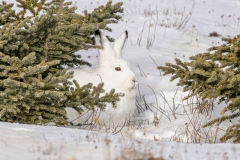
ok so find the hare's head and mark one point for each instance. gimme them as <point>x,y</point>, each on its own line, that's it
<point>115,71</point>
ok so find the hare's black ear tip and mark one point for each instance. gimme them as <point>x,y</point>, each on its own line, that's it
<point>97,32</point>
<point>126,32</point>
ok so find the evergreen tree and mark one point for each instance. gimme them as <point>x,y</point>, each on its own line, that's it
<point>36,44</point>
<point>213,75</point>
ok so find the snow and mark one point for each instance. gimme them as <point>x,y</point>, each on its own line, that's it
<point>172,135</point>
<point>19,141</point>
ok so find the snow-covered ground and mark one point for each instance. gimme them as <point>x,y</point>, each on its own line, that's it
<point>23,142</point>
<point>159,31</point>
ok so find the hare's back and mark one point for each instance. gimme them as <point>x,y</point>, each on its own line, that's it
<point>86,75</point>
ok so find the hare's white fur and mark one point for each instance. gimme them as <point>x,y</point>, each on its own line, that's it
<point>107,71</point>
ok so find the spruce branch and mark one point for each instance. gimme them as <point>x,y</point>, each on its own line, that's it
<point>36,48</point>
<point>213,75</point>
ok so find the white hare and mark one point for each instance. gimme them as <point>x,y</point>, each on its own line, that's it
<point>114,72</point>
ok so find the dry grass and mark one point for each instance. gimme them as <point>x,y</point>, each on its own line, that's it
<point>131,154</point>
<point>196,111</point>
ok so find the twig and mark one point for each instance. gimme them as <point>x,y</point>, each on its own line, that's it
<point>188,16</point>
<point>168,104</point>
<point>156,65</point>
<point>141,71</point>
<point>159,108</point>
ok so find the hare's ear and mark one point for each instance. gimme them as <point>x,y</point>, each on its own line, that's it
<point>120,43</point>
<point>106,52</point>
<point>97,36</point>
<point>101,40</point>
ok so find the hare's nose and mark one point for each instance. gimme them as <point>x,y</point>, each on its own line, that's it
<point>134,80</point>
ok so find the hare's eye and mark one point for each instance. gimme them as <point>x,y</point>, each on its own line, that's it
<point>118,69</point>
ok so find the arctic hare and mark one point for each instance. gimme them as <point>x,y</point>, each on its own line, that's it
<point>114,72</point>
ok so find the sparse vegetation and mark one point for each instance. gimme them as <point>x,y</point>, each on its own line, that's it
<point>163,18</point>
